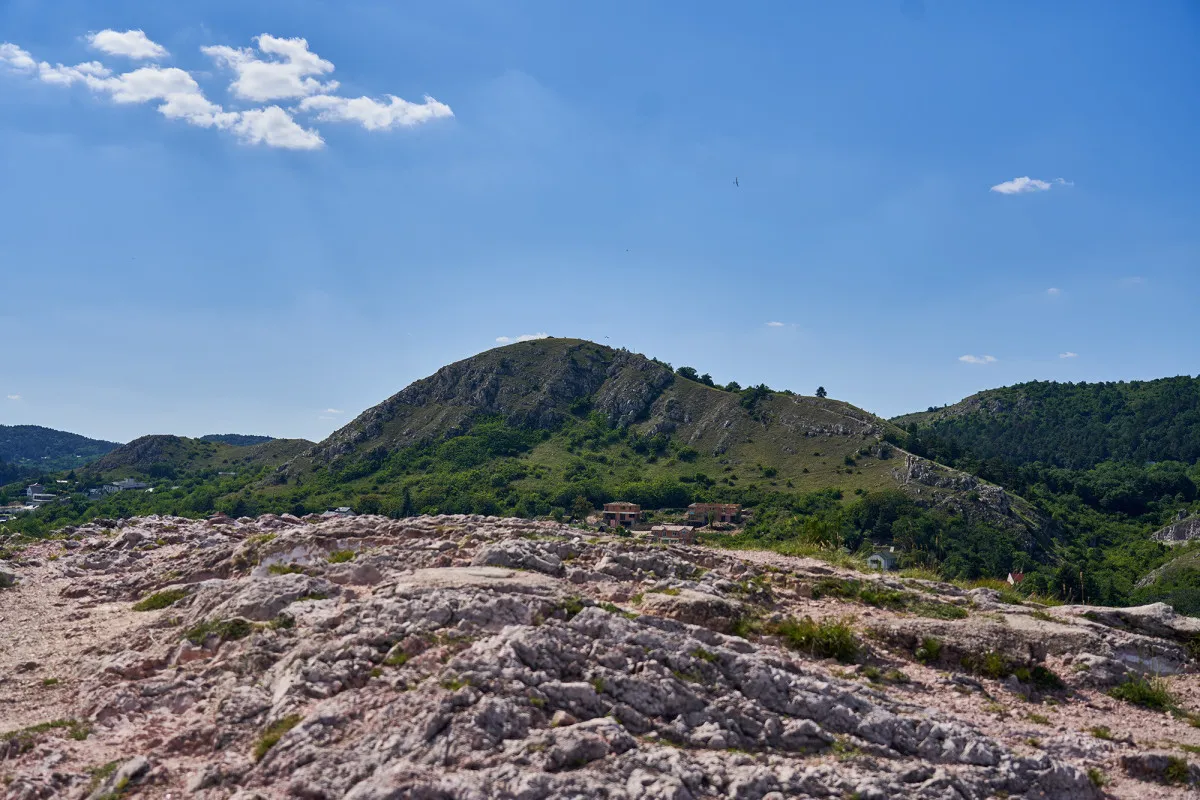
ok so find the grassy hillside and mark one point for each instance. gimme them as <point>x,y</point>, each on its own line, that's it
<point>46,449</point>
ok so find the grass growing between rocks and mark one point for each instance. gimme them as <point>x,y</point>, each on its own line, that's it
<point>876,594</point>
<point>1152,693</point>
<point>229,630</point>
<point>25,739</point>
<point>160,600</point>
<point>342,556</point>
<point>271,736</point>
<point>100,774</point>
<point>829,638</point>
<point>286,569</point>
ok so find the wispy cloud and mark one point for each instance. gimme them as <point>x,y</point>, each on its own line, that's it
<point>1068,354</point>
<point>333,411</point>
<point>14,397</point>
<point>525,337</point>
<point>131,44</point>
<point>775,324</point>
<point>1026,184</point>
<point>970,359</point>
<point>1133,280</point>
<point>279,69</point>
<point>1053,292</point>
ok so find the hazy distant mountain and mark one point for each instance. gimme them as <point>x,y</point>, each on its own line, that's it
<point>48,449</point>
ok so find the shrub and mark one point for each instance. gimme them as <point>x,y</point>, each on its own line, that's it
<point>273,734</point>
<point>929,650</point>
<point>342,556</point>
<point>1177,770</point>
<point>829,638</point>
<point>1152,694</point>
<point>160,600</point>
<point>285,569</point>
<point>229,630</point>
<point>1096,777</point>
<point>1102,732</point>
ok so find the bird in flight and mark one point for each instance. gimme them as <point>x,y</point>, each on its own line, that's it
<point>735,182</point>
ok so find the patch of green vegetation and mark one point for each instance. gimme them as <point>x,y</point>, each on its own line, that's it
<point>1102,732</point>
<point>829,638</point>
<point>929,650</point>
<point>1041,615</point>
<point>1177,770</point>
<point>453,684</point>
<point>342,556</point>
<point>283,622</point>
<point>598,684</point>
<point>100,774</point>
<point>228,630</point>
<point>940,611</point>
<point>1152,693</point>
<point>1097,777</point>
<point>48,682</point>
<point>397,658</point>
<point>668,591</point>
<point>705,655</point>
<point>612,608</point>
<point>26,738</point>
<point>1038,719</point>
<point>287,569</point>
<point>159,600</point>
<point>271,736</point>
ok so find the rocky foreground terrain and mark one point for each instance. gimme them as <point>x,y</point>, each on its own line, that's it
<point>473,657</point>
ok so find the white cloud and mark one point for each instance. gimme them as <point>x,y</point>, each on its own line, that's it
<point>1053,292</point>
<point>372,114</point>
<point>1133,280</point>
<point>1068,354</point>
<point>14,397</point>
<point>279,69</point>
<point>16,58</point>
<point>525,337</point>
<point>289,75</point>
<point>275,127</point>
<point>969,359</point>
<point>333,411</point>
<point>1021,186</point>
<point>1026,184</point>
<point>774,324</point>
<point>131,44</point>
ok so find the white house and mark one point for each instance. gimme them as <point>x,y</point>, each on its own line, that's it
<point>34,489</point>
<point>883,560</point>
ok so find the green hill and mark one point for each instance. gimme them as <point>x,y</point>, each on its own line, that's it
<point>1072,425</point>
<point>236,439</point>
<point>48,450</point>
<point>529,427</point>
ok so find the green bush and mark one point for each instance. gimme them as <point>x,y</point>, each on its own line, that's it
<point>226,630</point>
<point>1147,693</point>
<point>160,600</point>
<point>342,556</point>
<point>929,650</point>
<point>829,638</point>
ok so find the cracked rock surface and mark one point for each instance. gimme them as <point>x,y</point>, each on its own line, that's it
<point>477,657</point>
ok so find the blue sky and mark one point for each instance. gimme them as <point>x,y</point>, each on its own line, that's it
<point>216,267</point>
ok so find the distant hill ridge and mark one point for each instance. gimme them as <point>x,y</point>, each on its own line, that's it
<point>1074,425</point>
<point>236,439</point>
<point>48,449</point>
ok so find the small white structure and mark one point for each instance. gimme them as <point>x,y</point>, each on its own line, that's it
<point>883,560</point>
<point>129,484</point>
<point>340,511</point>
<point>34,489</point>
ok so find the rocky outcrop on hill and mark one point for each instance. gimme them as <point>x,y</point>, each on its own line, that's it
<point>477,657</point>
<point>1181,531</point>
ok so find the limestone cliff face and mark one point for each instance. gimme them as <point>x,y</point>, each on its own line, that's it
<point>1178,532</point>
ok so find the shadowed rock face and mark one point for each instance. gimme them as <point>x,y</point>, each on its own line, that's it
<point>470,657</point>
